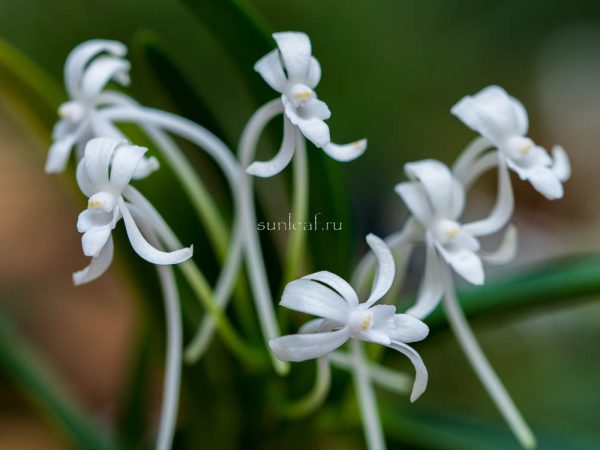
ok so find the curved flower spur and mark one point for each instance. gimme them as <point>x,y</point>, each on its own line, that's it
<point>292,71</point>
<point>103,174</point>
<point>343,317</point>
<point>503,123</point>
<point>436,199</point>
<point>88,69</point>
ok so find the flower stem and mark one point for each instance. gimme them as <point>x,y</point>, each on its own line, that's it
<point>366,399</point>
<point>296,248</point>
<point>482,367</point>
<point>168,417</point>
<point>255,263</point>
<point>196,280</point>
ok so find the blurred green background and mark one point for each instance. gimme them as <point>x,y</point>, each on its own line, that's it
<point>391,72</point>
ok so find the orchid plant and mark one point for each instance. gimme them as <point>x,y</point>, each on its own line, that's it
<point>435,195</point>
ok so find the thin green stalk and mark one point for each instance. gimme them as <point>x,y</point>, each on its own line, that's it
<point>296,250</point>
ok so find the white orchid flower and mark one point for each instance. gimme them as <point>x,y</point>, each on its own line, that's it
<point>436,200</point>
<point>292,71</point>
<point>343,317</point>
<point>502,121</point>
<point>103,175</point>
<point>88,69</point>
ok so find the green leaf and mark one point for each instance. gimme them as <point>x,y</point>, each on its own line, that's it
<point>571,279</point>
<point>28,370</point>
<point>244,34</point>
<point>32,95</point>
<point>429,429</point>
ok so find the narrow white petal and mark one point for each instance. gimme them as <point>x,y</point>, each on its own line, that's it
<point>431,288</point>
<point>414,196</point>
<point>59,152</point>
<point>561,166</point>
<point>346,152</point>
<point>301,347</point>
<point>313,298</point>
<point>546,182</point>
<point>503,208</point>
<point>100,72</point>
<point>81,55</point>
<point>89,219</point>
<point>465,262</point>
<point>507,249</point>
<point>314,73</point>
<point>313,129</point>
<point>478,168</point>
<point>269,67</point>
<point>437,181</point>
<point>316,109</point>
<point>143,248</point>
<point>94,239</point>
<point>336,283</point>
<point>313,326</point>
<point>281,159</point>
<point>97,158</point>
<point>407,328</point>
<point>146,167</point>
<point>421,376</point>
<point>385,269</point>
<point>492,113</point>
<point>296,53</point>
<point>97,266</point>
<point>83,180</point>
<point>125,161</point>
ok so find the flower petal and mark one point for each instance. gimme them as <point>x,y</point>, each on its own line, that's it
<point>83,181</point>
<point>94,239</point>
<point>89,219</point>
<point>97,158</point>
<point>346,152</point>
<point>314,73</point>
<point>493,113</point>
<point>143,248</point>
<point>503,208</point>
<point>406,328</point>
<point>296,53</point>
<point>81,55</point>
<point>125,161</point>
<point>546,182</point>
<point>101,71</point>
<point>422,376</point>
<point>431,288</point>
<point>561,166</point>
<point>281,159</point>
<point>507,249</point>
<point>437,181</point>
<point>146,167</point>
<point>269,67</point>
<point>315,109</point>
<point>465,262</point>
<point>313,129</point>
<point>385,269</point>
<point>301,347</point>
<point>336,283</point>
<point>414,196</point>
<point>313,298</point>
<point>59,152</point>
<point>97,266</point>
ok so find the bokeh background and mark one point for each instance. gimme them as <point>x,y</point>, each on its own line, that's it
<point>391,72</point>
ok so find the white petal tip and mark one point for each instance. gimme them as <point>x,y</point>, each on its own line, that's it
<point>347,152</point>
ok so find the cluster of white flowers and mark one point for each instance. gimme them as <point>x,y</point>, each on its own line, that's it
<point>434,194</point>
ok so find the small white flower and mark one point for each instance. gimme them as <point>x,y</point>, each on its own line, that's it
<point>436,200</point>
<point>88,69</point>
<point>502,120</point>
<point>294,72</point>
<point>342,317</point>
<point>103,175</point>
